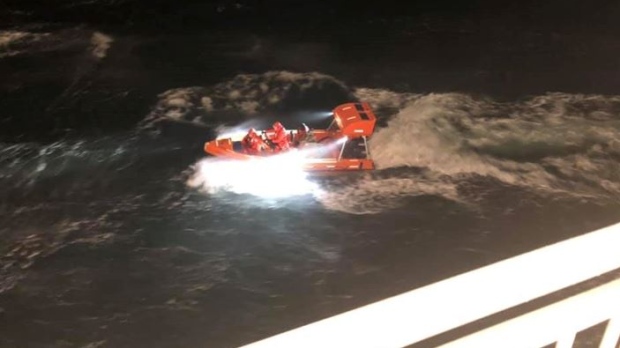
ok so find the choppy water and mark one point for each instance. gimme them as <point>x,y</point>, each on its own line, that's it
<point>104,242</point>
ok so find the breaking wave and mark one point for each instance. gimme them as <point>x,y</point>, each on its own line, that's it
<point>248,96</point>
<point>100,43</point>
<point>25,163</point>
<point>37,40</point>
<point>13,43</point>
<point>374,194</point>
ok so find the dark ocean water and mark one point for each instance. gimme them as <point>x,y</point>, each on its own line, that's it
<point>499,132</point>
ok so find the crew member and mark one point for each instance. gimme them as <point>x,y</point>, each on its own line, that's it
<point>279,138</point>
<point>303,136</point>
<point>252,143</point>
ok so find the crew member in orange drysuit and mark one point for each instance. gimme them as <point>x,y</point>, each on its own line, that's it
<point>252,143</point>
<point>279,138</point>
<point>302,136</point>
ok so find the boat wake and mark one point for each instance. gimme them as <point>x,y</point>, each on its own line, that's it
<point>553,143</point>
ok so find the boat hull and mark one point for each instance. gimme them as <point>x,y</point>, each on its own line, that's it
<point>224,148</point>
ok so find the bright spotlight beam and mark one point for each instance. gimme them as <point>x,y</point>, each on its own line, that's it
<point>277,176</point>
<point>312,116</point>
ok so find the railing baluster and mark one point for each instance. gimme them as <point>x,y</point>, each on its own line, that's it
<point>612,333</point>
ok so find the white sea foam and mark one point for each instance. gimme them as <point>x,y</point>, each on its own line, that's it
<point>551,143</point>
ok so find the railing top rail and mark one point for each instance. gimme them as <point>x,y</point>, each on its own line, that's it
<point>545,325</point>
<point>425,312</point>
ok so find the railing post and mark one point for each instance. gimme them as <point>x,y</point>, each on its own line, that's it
<point>612,333</point>
<point>342,150</point>
<point>366,147</point>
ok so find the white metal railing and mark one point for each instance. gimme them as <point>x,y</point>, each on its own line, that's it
<point>556,323</point>
<point>437,308</point>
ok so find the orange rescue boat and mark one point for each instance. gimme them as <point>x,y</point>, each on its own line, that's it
<point>343,146</point>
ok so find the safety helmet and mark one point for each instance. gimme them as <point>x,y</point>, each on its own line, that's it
<point>251,135</point>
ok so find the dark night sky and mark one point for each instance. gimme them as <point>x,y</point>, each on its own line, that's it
<point>261,14</point>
